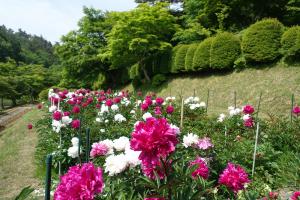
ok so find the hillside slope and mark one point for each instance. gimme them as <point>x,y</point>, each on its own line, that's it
<point>277,83</point>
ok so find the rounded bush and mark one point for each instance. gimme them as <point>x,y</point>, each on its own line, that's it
<point>225,49</point>
<point>43,95</point>
<point>261,41</point>
<point>173,55</point>
<point>201,58</point>
<point>190,56</point>
<point>290,42</point>
<point>179,64</point>
<point>158,79</point>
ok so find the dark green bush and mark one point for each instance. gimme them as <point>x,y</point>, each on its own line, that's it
<point>164,62</point>
<point>179,64</point>
<point>261,41</point>
<point>173,55</point>
<point>240,63</point>
<point>158,79</point>
<point>225,49</point>
<point>201,58</point>
<point>190,56</point>
<point>290,42</point>
<point>136,82</point>
<point>43,95</point>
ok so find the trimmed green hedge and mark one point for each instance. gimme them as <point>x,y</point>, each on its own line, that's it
<point>189,57</point>
<point>173,55</point>
<point>179,64</point>
<point>201,58</point>
<point>290,42</point>
<point>225,49</point>
<point>261,41</point>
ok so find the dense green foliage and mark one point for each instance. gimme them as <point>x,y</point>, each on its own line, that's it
<point>179,64</point>
<point>261,41</point>
<point>290,42</point>
<point>190,56</point>
<point>202,55</point>
<point>225,48</point>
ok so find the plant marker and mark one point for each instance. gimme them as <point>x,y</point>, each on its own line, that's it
<point>234,99</point>
<point>255,148</point>
<point>194,92</point>
<point>207,100</point>
<point>181,114</point>
<point>292,106</point>
<point>87,136</point>
<point>59,163</point>
<point>48,176</point>
<point>258,105</point>
<point>58,104</point>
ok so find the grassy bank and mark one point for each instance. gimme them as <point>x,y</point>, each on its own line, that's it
<point>276,83</point>
<point>17,166</point>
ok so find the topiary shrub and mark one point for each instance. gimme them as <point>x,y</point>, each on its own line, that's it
<point>290,42</point>
<point>261,41</point>
<point>225,49</point>
<point>190,56</point>
<point>172,66</point>
<point>201,58</point>
<point>179,64</point>
<point>158,79</point>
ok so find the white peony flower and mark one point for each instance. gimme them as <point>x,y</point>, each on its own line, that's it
<point>132,157</point>
<point>102,130</point>
<point>121,143</point>
<point>66,120</point>
<point>177,130</point>
<point>132,112</point>
<point>52,108</point>
<point>190,139</point>
<point>222,117</point>
<point>202,104</point>
<point>73,152</point>
<point>104,108</point>
<point>246,117</point>
<point>146,115</point>
<point>56,125</point>
<point>75,141</point>
<point>193,106</point>
<point>98,119</point>
<point>119,118</point>
<point>196,99</point>
<point>114,107</point>
<point>106,121</point>
<point>115,164</point>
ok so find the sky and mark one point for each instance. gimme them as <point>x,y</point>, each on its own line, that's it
<point>52,18</point>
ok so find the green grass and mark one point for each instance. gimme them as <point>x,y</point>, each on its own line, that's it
<point>17,166</point>
<point>277,83</point>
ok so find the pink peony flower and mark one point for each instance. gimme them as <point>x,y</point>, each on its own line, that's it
<point>117,100</point>
<point>29,126</point>
<point>57,115</point>
<point>202,169</point>
<point>234,177</point>
<point>71,102</point>
<point>76,109</point>
<point>144,107</point>
<point>170,109</point>
<point>249,122</point>
<point>139,93</point>
<point>80,183</point>
<point>295,196</point>
<point>148,101</point>
<point>296,110</point>
<point>159,101</point>
<point>98,106</point>
<point>39,106</point>
<point>248,109</point>
<point>155,139</point>
<point>75,124</point>
<point>66,113</point>
<point>98,149</point>
<point>204,143</point>
<point>157,110</point>
<point>109,102</point>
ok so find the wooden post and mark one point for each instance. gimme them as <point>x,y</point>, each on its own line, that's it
<point>87,141</point>
<point>59,162</point>
<point>48,177</point>
<point>258,105</point>
<point>255,148</point>
<point>207,100</point>
<point>181,113</point>
<point>234,99</point>
<point>292,106</point>
<point>194,93</point>
<point>79,142</point>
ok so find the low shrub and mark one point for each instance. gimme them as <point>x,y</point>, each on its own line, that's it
<point>261,41</point>
<point>158,79</point>
<point>225,49</point>
<point>190,56</point>
<point>201,58</point>
<point>290,42</point>
<point>180,58</point>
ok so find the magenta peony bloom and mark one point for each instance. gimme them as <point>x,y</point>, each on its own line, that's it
<point>157,110</point>
<point>29,126</point>
<point>139,93</point>
<point>76,109</point>
<point>109,102</point>
<point>159,101</point>
<point>204,143</point>
<point>170,109</point>
<point>249,122</point>
<point>71,102</point>
<point>154,198</point>
<point>202,169</point>
<point>296,110</point>
<point>57,115</point>
<point>295,196</point>
<point>155,139</point>
<point>98,149</point>
<point>98,106</point>
<point>248,109</point>
<point>66,113</point>
<point>144,107</point>
<point>117,100</point>
<point>39,106</point>
<point>234,177</point>
<point>148,101</point>
<point>80,183</point>
<point>75,123</point>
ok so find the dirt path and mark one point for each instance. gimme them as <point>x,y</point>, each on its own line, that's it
<point>17,146</point>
